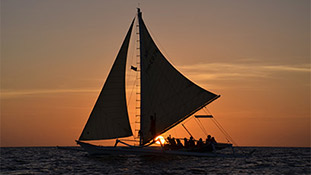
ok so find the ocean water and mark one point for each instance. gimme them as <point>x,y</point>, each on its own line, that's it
<point>51,160</point>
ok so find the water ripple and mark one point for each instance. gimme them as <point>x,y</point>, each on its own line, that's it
<point>50,160</point>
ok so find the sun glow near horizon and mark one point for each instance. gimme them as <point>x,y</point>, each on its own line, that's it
<point>160,140</point>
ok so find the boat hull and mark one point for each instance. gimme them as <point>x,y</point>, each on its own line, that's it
<point>95,150</point>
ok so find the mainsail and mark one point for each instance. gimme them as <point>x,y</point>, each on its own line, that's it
<point>167,97</point>
<point>109,117</point>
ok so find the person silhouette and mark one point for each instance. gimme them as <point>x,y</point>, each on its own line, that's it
<point>179,144</point>
<point>186,143</point>
<point>191,143</point>
<point>200,143</point>
<point>153,125</point>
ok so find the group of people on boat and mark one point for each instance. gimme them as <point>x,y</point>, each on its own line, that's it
<point>191,144</point>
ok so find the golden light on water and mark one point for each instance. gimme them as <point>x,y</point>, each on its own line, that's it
<point>160,140</point>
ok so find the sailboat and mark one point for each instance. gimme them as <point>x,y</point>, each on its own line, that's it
<point>167,98</point>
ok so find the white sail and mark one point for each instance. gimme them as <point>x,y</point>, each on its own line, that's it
<point>109,117</point>
<point>167,97</point>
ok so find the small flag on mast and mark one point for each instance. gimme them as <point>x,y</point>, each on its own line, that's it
<point>134,68</point>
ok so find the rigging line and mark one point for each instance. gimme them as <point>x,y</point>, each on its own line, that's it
<point>206,110</point>
<point>226,133</point>
<point>223,129</point>
<point>228,137</point>
<point>187,130</point>
<point>186,120</point>
<point>202,128</point>
<point>132,53</point>
<point>130,97</point>
<point>133,87</point>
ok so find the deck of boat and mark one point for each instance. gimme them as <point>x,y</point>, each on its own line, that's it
<point>135,150</point>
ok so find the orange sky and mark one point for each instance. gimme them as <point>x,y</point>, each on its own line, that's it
<point>55,56</point>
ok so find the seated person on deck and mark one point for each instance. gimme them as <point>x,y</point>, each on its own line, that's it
<point>208,140</point>
<point>200,143</point>
<point>186,143</point>
<point>179,144</point>
<point>171,143</point>
<point>191,143</point>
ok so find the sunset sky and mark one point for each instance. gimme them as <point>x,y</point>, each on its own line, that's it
<point>56,55</point>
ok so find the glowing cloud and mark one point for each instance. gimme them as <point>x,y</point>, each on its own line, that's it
<point>237,70</point>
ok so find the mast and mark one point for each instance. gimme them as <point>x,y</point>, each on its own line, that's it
<point>140,73</point>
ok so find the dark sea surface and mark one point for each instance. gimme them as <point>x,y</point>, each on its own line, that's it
<point>51,160</point>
